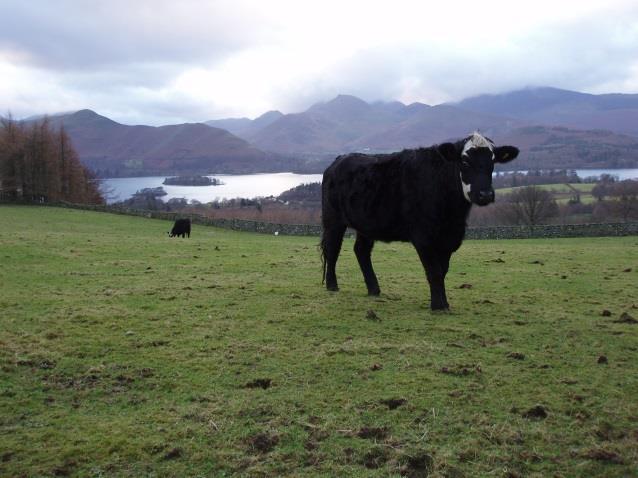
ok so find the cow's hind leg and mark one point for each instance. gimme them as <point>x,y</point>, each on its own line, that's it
<point>363,250</point>
<point>330,247</point>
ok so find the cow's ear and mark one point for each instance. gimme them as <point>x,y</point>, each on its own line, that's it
<point>503,154</point>
<point>448,151</point>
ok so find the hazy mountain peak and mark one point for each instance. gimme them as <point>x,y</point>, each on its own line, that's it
<point>418,106</point>
<point>85,112</point>
<point>268,117</point>
<point>554,106</point>
<point>341,107</point>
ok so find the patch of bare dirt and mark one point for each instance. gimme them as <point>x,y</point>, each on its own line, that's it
<point>375,458</point>
<point>603,454</point>
<point>263,383</point>
<point>625,318</point>
<point>605,431</point>
<point>66,469</point>
<point>394,403</point>
<point>263,442</point>
<point>373,433</point>
<point>417,466</point>
<point>39,362</point>
<point>516,355</point>
<point>371,315</point>
<point>173,454</point>
<point>461,370</point>
<point>538,412</point>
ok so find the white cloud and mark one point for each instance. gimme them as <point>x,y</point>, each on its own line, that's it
<point>161,61</point>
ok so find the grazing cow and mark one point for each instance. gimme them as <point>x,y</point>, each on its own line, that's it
<point>422,196</point>
<point>182,227</point>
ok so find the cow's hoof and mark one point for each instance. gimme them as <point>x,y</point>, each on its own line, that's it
<point>374,293</point>
<point>332,288</point>
<point>440,308</point>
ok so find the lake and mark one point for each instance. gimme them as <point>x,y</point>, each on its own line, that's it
<point>235,186</point>
<point>257,185</point>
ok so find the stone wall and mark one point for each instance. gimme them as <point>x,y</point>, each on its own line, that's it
<point>553,230</point>
<point>494,232</point>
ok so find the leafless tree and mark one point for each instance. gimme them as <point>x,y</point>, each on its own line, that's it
<point>624,201</point>
<point>529,205</point>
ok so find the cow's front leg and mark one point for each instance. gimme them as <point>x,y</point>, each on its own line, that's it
<point>436,266</point>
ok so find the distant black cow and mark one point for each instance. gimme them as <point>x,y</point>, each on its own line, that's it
<point>422,196</point>
<point>182,227</point>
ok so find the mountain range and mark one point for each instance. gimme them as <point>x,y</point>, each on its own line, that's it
<point>553,128</point>
<point>112,149</point>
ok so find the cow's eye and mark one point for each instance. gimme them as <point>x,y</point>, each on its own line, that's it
<point>465,164</point>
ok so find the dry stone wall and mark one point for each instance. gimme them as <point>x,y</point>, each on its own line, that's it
<point>494,232</point>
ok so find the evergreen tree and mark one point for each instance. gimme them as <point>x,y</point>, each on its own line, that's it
<point>38,163</point>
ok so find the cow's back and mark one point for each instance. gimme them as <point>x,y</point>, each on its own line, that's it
<point>395,196</point>
<point>366,193</point>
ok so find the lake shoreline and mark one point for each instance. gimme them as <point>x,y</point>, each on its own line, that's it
<point>251,186</point>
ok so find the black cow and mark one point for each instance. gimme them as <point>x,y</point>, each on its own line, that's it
<point>182,227</point>
<point>422,196</point>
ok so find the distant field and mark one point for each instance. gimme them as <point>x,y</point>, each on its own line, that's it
<point>126,353</point>
<point>562,192</point>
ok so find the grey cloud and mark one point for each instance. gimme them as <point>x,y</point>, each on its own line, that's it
<point>76,35</point>
<point>121,57</point>
<point>576,56</point>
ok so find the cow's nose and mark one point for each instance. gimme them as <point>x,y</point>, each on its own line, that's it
<point>486,196</point>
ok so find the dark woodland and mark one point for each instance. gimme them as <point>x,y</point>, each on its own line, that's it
<point>39,164</point>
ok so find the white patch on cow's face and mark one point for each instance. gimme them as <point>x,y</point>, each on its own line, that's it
<point>477,141</point>
<point>477,163</point>
<point>466,189</point>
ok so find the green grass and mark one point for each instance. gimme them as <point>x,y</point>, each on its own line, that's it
<point>126,353</point>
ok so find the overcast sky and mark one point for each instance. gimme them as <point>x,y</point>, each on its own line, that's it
<point>164,62</point>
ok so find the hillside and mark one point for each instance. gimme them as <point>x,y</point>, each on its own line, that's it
<point>223,355</point>
<point>348,123</point>
<point>602,135</point>
<point>244,126</point>
<point>563,148</point>
<point>555,129</point>
<point>552,106</point>
<point>112,149</point>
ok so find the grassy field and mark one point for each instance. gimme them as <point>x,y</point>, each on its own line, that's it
<point>126,353</point>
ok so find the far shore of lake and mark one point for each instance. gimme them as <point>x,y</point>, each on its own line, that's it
<point>257,185</point>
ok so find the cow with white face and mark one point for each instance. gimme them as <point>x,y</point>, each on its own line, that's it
<point>422,196</point>
<point>477,165</point>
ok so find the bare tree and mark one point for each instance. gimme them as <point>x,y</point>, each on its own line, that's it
<point>529,205</point>
<point>624,201</point>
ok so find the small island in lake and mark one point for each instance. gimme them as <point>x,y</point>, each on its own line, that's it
<point>192,181</point>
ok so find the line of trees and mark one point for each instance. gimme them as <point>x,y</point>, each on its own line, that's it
<point>623,197</point>
<point>534,177</point>
<point>532,205</point>
<point>38,163</point>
